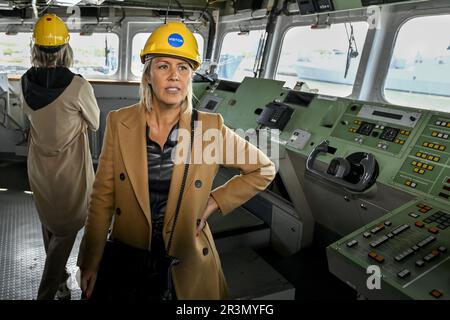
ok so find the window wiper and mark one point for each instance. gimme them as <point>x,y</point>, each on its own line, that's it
<point>352,51</point>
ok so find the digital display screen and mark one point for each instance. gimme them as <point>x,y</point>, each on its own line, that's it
<point>387,115</point>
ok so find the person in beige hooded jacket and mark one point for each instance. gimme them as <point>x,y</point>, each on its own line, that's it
<point>61,107</point>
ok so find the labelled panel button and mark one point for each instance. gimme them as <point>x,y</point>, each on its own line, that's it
<point>403,274</point>
<point>367,235</point>
<point>433,230</point>
<point>431,256</point>
<point>436,293</point>
<point>426,241</point>
<point>379,242</point>
<point>400,229</point>
<point>352,243</point>
<point>419,224</point>
<point>405,254</point>
<point>378,258</point>
<point>377,229</point>
<point>420,263</point>
<point>442,249</point>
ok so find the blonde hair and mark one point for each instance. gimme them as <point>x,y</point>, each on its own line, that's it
<point>61,58</point>
<point>145,90</point>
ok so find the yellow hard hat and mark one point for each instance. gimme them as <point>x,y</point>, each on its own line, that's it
<point>50,31</point>
<point>172,39</point>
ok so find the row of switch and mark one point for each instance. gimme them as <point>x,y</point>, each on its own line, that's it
<point>385,238</point>
<point>443,123</point>
<point>405,132</point>
<point>421,262</point>
<point>439,134</point>
<point>445,188</point>
<point>411,184</point>
<point>422,165</point>
<point>421,224</point>
<point>434,146</point>
<point>409,251</point>
<point>441,218</point>
<point>430,157</point>
<point>359,122</point>
<point>424,208</point>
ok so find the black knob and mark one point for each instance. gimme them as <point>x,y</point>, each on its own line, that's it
<point>333,167</point>
<point>412,118</point>
<point>353,107</point>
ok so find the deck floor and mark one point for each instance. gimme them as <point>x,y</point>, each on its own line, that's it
<point>22,253</point>
<point>22,250</point>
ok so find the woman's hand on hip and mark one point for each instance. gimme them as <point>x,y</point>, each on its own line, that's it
<point>211,207</point>
<point>88,278</point>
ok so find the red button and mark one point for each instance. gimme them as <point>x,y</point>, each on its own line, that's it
<point>433,230</point>
<point>436,293</point>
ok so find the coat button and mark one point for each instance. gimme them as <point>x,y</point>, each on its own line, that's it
<point>205,251</point>
<point>118,211</point>
<point>122,176</point>
<point>198,183</point>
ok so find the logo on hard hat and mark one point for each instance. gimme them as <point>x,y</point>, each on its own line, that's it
<point>175,40</point>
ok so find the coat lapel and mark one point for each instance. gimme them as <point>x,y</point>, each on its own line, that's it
<point>133,146</point>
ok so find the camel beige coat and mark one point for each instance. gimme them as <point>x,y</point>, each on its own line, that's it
<point>60,167</point>
<point>121,190</point>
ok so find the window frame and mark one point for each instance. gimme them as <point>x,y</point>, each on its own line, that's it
<point>234,24</point>
<point>223,36</point>
<point>389,57</point>
<point>114,75</point>
<point>307,21</point>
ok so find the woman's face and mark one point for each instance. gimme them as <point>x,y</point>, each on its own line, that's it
<point>169,78</point>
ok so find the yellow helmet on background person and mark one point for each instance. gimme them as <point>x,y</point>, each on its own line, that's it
<point>50,31</point>
<point>172,39</point>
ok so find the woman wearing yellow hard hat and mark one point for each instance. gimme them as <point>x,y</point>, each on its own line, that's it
<point>61,107</point>
<point>155,183</point>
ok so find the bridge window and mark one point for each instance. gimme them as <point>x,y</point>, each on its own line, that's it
<point>238,55</point>
<point>95,56</point>
<point>139,42</point>
<point>326,60</point>
<point>15,53</point>
<point>419,72</point>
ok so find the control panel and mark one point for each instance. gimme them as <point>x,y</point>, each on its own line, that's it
<point>427,166</point>
<point>241,104</point>
<point>410,246</point>
<point>377,127</point>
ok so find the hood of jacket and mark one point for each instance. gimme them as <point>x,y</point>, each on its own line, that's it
<point>42,86</point>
